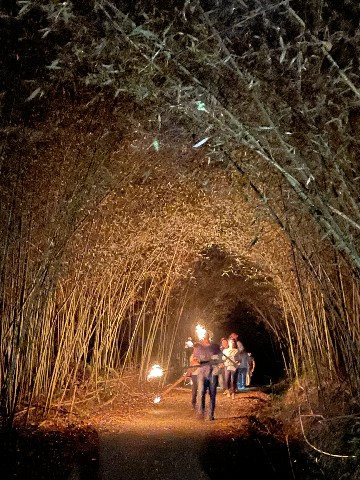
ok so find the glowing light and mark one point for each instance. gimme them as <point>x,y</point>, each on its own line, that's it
<point>200,332</point>
<point>155,372</point>
<point>157,399</point>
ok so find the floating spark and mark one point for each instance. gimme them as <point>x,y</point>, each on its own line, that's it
<point>157,399</point>
<point>200,332</point>
<point>155,372</point>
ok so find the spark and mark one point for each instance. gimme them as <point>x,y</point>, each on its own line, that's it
<point>157,399</point>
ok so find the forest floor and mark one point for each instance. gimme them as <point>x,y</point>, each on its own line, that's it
<point>143,440</point>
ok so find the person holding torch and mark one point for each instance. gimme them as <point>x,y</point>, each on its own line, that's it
<point>207,353</point>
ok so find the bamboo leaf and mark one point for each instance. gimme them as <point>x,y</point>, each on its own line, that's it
<point>34,94</point>
<point>201,106</point>
<point>54,65</point>
<point>139,32</point>
<point>26,6</point>
<point>156,145</point>
<point>198,144</point>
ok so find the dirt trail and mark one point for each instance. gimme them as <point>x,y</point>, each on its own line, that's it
<point>168,441</point>
<point>131,438</point>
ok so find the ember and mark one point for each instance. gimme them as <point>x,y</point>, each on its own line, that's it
<point>157,399</point>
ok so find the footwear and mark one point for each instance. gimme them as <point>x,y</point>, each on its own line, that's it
<point>233,396</point>
<point>225,392</point>
<point>228,394</point>
<point>211,417</point>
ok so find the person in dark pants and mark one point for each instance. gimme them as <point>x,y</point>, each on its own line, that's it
<point>231,356</point>
<point>223,344</point>
<point>243,369</point>
<point>206,352</point>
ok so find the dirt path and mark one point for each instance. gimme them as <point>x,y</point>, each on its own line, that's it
<point>167,441</point>
<point>131,438</point>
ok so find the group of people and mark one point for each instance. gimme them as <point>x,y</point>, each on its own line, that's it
<point>228,366</point>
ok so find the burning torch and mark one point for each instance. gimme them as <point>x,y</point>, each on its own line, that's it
<point>156,372</point>
<point>200,331</point>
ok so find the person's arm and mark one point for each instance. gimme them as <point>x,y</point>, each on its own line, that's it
<point>252,365</point>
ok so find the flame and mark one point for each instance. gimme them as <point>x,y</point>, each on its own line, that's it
<point>155,372</point>
<point>157,399</point>
<point>200,331</point>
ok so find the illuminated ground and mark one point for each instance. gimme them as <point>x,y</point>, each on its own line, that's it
<point>168,442</point>
<point>142,440</point>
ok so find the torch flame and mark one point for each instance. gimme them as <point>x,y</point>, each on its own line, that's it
<point>155,372</point>
<point>200,331</point>
<point>157,399</point>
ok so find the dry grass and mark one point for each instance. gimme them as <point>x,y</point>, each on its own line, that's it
<point>326,419</point>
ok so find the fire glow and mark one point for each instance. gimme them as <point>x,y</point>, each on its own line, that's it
<point>200,332</point>
<point>155,372</point>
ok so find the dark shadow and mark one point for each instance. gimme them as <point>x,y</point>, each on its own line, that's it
<point>257,456</point>
<point>160,456</point>
<point>257,339</point>
<point>39,454</point>
<point>170,456</point>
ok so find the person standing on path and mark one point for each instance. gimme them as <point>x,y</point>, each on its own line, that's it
<point>194,381</point>
<point>223,345</point>
<point>207,352</point>
<point>231,357</point>
<point>250,370</point>
<point>243,370</point>
<point>241,349</point>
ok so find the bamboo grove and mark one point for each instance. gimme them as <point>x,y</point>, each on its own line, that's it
<point>106,206</point>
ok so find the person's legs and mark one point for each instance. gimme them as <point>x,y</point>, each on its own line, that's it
<point>212,390</point>
<point>232,381</point>
<point>222,378</point>
<point>194,390</point>
<point>242,378</point>
<point>236,378</point>
<point>201,393</point>
<point>227,380</point>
